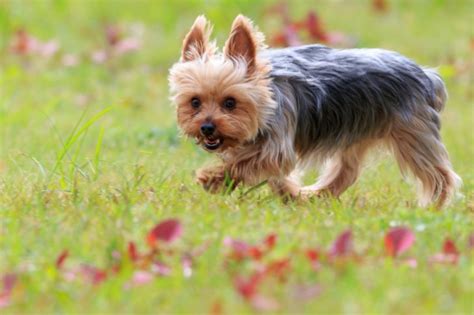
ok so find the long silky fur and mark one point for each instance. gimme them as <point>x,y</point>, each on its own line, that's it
<point>320,107</point>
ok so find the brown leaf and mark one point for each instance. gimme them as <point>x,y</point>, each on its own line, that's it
<point>62,258</point>
<point>380,6</point>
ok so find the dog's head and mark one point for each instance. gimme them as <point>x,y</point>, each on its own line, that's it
<point>222,99</point>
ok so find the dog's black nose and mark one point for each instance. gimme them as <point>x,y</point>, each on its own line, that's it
<point>207,129</point>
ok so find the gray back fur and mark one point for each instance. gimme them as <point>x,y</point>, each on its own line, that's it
<point>333,98</point>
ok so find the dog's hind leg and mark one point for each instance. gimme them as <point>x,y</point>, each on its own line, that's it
<point>418,148</point>
<point>340,171</point>
<point>285,187</point>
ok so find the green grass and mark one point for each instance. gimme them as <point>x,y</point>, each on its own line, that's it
<point>90,159</point>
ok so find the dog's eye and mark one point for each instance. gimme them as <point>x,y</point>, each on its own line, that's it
<point>229,103</point>
<point>195,102</point>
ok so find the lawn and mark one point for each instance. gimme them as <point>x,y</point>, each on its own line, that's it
<point>91,160</point>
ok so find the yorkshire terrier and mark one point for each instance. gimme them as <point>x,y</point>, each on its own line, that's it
<point>270,114</point>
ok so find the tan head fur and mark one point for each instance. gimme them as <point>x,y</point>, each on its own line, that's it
<point>228,91</point>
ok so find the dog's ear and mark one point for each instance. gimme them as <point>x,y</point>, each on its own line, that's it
<point>196,43</point>
<point>244,42</point>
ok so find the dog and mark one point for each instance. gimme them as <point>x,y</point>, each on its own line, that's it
<point>271,114</point>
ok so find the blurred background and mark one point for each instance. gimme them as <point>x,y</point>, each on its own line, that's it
<point>60,58</point>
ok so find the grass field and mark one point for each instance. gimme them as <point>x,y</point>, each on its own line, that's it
<point>90,159</point>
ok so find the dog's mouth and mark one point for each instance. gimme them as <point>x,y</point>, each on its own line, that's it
<point>212,143</point>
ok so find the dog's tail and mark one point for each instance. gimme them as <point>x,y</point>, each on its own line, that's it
<point>441,95</point>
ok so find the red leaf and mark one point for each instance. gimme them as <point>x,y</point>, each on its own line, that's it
<point>166,231</point>
<point>255,252</point>
<point>132,252</point>
<point>22,43</point>
<point>270,241</point>
<point>240,249</point>
<point>4,299</point>
<point>315,27</point>
<point>247,288</point>
<point>8,283</point>
<point>93,274</point>
<point>9,280</point>
<point>398,240</point>
<point>449,248</point>
<point>342,246</point>
<point>62,258</point>
<point>449,255</point>
<point>313,256</point>
<point>278,268</point>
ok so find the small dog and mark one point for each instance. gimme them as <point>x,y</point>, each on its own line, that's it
<point>272,113</point>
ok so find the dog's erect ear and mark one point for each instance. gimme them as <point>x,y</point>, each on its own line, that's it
<point>244,42</point>
<point>196,43</point>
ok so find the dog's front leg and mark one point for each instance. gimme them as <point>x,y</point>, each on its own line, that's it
<point>215,179</point>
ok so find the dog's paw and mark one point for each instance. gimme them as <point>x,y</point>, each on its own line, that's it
<point>211,179</point>
<point>307,194</point>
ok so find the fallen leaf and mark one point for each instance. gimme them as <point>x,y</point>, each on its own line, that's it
<point>398,240</point>
<point>62,258</point>
<point>449,248</point>
<point>166,231</point>
<point>380,5</point>
<point>9,281</point>
<point>342,246</point>
<point>278,268</point>
<point>22,43</point>
<point>247,287</point>
<point>216,308</point>
<point>313,256</point>
<point>132,252</point>
<point>315,27</point>
<point>242,250</point>
<point>92,274</point>
<point>449,255</point>
<point>270,241</point>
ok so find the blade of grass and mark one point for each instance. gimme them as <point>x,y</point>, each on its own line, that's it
<point>253,188</point>
<point>75,136</point>
<point>98,149</point>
